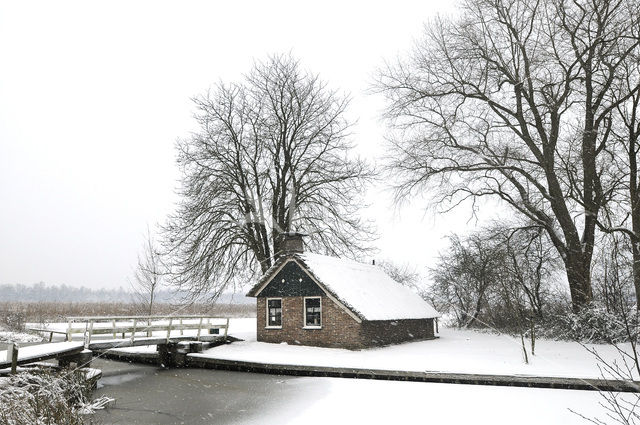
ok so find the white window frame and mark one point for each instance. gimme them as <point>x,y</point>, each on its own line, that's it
<point>267,326</point>
<point>304,314</point>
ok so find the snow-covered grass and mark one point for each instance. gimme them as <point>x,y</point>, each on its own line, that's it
<point>462,351</point>
<point>7,336</point>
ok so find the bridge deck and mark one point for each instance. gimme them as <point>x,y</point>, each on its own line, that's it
<point>55,350</point>
<point>127,342</point>
<point>41,352</point>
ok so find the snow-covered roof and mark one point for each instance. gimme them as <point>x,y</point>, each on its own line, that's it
<point>364,289</point>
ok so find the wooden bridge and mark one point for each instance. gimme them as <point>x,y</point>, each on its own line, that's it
<point>133,326</point>
<point>13,357</point>
<point>96,333</point>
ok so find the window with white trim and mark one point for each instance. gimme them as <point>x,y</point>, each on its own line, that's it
<point>312,312</point>
<point>274,312</point>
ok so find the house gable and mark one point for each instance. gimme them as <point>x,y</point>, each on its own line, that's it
<point>291,281</point>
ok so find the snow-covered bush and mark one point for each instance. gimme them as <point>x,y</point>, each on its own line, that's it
<point>19,337</point>
<point>14,320</point>
<point>42,396</point>
<point>592,324</point>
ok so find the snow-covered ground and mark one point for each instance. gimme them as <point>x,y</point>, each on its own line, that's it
<point>456,350</point>
<point>7,336</point>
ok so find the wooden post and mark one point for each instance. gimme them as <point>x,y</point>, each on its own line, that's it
<point>14,357</point>
<point>181,330</point>
<point>200,328</point>
<point>133,334</point>
<point>69,331</point>
<point>169,328</point>
<point>90,332</point>
<point>85,334</point>
<point>226,330</point>
<point>113,323</point>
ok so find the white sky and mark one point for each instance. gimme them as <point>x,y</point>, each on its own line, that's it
<point>94,94</point>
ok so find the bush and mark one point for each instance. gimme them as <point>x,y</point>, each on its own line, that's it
<point>12,319</point>
<point>42,396</point>
<point>591,324</point>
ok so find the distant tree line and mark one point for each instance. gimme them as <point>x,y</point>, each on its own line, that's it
<point>42,292</point>
<point>62,293</point>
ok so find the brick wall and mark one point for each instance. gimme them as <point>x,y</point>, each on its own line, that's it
<point>385,332</point>
<point>339,330</point>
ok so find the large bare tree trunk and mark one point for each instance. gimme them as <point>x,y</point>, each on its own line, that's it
<point>579,275</point>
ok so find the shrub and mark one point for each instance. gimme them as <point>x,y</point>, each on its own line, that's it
<point>42,396</point>
<point>12,319</point>
<point>592,324</point>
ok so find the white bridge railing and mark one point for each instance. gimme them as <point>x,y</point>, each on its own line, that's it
<point>133,327</point>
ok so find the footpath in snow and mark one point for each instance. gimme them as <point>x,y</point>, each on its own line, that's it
<point>456,351</point>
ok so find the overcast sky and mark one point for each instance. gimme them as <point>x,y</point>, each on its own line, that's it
<point>94,95</point>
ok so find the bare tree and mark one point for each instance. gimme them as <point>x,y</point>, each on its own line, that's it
<point>530,264</point>
<point>272,156</point>
<point>514,100</point>
<point>401,273</point>
<point>499,277</point>
<point>613,273</point>
<point>464,275</point>
<point>147,278</point>
<point>623,217</point>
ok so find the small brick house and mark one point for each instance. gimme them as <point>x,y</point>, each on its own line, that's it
<point>312,299</point>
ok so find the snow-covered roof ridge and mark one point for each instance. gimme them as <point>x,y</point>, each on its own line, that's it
<point>366,289</point>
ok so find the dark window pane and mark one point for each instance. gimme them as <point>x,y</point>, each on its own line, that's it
<point>313,314</point>
<point>275,303</point>
<point>274,312</point>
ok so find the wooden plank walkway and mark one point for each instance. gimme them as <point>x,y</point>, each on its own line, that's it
<point>41,352</point>
<point>198,360</point>
<point>140,341</point>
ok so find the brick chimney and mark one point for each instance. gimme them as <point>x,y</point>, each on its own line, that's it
<point>292,243</point>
